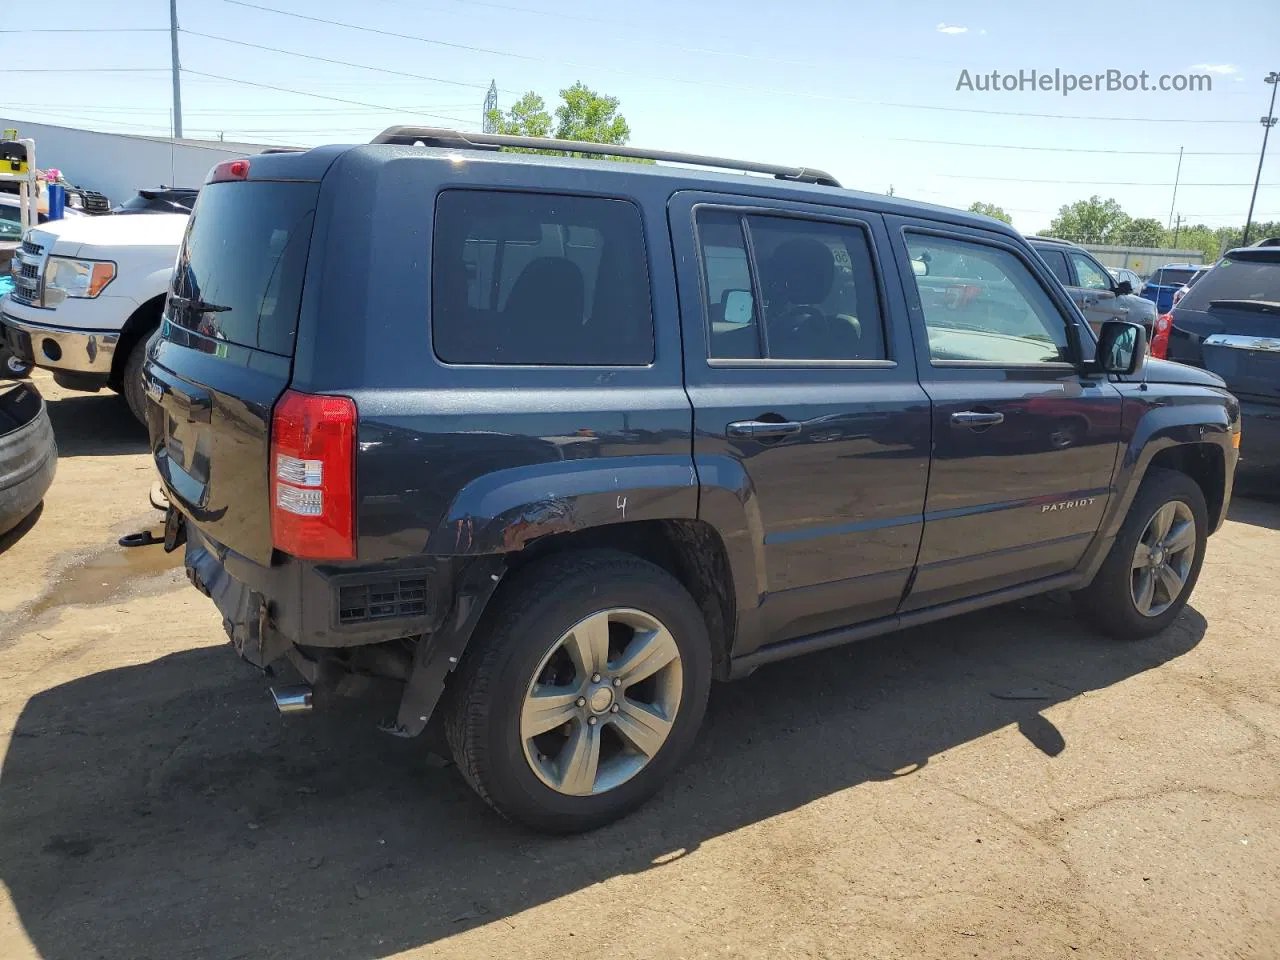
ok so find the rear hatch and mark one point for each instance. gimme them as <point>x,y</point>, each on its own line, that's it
<point>1229,322</point>
<point>225,352</point>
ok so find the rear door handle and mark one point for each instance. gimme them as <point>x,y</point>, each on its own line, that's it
<point>976,418</point>
<point>758,429</point>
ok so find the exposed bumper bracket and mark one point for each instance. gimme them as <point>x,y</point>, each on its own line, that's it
<point>437,655</point>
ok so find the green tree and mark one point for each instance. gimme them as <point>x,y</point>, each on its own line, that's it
<point>528,117</point>
<point>590,116</point>
<point>1089,221</point>
<point>1197,237</point>
<point>583,114</point>
<point>1143,232</point>
<point>990,210</point>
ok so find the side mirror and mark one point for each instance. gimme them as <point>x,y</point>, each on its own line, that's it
<point>1124,288</point>
<point>1122,347</point>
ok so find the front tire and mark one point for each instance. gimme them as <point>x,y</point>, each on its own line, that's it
<point>1155,561</point>
<point>582,692</point>
<point>131,381</point>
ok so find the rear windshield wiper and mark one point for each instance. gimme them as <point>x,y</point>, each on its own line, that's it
<point>187,303</point>
<point>1263,306</point>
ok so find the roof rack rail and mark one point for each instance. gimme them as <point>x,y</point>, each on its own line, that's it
<point>454,139</point>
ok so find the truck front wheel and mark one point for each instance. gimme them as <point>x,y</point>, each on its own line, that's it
<point>131,380</point>
<point>582,692</point>
<point>1155,561</point>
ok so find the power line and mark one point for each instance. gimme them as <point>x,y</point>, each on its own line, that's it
<point>386,33</point>
<point>712,83</point>
<point>1012,146</point>
<point>86,30</point>
<point>1093,183</point>
<point>84,69</point>
<point>319,96</point>
<point>340,63</point>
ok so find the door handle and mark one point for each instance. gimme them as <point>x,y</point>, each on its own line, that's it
<point>758,429</point>
<point>976,418</point>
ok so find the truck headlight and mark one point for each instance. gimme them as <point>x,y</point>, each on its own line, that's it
<point>65,277</point>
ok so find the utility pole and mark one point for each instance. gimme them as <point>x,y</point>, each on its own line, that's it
<point>1176,177</point>
<point>177,69</point>
<point>1176,230</point>
<point>490,105</point>
<point>1267,122</point>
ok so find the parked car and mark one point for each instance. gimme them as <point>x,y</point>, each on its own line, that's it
<point>1124,273</point>
<point>1164,283</point>
<point>1229,322</point>
<point>1191,282</point>
<point>1099,295</point>
<point>28,453</point>
<point>88,293</point>
<point>553,442</point>
<point>163,200</point>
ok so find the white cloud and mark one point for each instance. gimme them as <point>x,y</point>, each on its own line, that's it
<point>948,28</point>
<point>1215,67</point>
<point>982,33</point>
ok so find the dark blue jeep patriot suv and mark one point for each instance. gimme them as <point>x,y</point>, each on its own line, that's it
<point>545,444</point>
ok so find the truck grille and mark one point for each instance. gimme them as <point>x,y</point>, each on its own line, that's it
<point>384,600</point>
<point>29,259</point>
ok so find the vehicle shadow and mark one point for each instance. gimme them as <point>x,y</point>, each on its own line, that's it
<point>95,425</point>
<point>14,534</point>
<point>164,810</point>
<point>1257,509</point>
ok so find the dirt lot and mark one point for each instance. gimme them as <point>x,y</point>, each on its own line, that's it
<point>1007,784</point>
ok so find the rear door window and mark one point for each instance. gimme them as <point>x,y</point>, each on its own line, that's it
<point>239,274</point>
<point>531,278</point>
<point>786,288</point>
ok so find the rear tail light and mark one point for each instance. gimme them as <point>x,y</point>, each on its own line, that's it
<point>313,476</point>
<point>1160,336</point>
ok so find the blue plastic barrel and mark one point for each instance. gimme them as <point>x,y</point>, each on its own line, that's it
<point>57,200</point>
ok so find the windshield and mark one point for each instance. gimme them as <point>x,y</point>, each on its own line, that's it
<point>1236,280</point>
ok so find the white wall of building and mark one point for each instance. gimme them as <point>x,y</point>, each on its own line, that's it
<point>119,165</point>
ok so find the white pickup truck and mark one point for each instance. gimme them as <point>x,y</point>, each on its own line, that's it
<point>88,293</point>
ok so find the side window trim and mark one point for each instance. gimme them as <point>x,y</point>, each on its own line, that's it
<point>1069,320</point>
<point>742,211</point>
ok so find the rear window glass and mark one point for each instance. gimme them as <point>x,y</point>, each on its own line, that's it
<point>1172,278</point>
<point>1236,280</point>
<point>530,278</point>
<point>239,275</point>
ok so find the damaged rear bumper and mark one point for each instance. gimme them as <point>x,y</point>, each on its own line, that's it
<point>308,611</point>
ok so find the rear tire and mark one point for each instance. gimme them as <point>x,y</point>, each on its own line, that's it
<point>1133,594</point>
<point>639,720</point>
<point>131,387</point>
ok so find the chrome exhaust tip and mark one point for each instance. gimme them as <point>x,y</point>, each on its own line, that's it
<point>292,699</point>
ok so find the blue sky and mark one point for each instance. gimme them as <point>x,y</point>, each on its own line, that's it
<point>850,87</point>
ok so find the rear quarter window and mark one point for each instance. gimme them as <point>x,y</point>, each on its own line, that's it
<point>539,279</point>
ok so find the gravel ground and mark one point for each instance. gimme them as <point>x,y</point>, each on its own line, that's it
<point>1007,784</point>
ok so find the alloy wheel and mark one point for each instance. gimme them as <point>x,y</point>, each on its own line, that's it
<point>1162,559</point>
<point>602,702</point>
